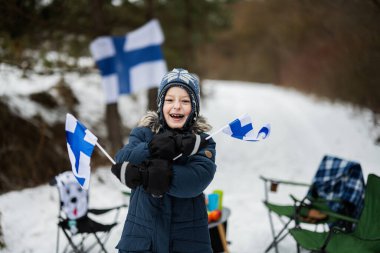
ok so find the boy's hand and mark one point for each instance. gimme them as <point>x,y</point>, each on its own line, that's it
<point>157,177</point>
<point>163,145</point>
<point>189,144</point>
<point>129,174</point>
<point>154,175</point>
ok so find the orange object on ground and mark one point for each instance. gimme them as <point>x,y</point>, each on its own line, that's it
<point>214,215</point>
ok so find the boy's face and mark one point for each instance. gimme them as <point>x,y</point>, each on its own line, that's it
<point>177,107</point>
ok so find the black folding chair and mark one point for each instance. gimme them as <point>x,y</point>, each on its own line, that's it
<point>74,220</point>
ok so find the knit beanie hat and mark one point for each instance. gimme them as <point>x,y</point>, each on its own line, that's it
<point>180,78</point>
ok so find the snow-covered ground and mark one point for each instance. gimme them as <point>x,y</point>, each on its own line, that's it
<point>304,129</point>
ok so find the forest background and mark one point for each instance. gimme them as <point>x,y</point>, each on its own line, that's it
<point>329,48</point>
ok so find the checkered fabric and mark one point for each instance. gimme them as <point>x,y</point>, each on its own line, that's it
<point>337,178</point>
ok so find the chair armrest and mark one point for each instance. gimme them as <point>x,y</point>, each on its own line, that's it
<point>278,181</point>
<point>340,216</point>
<point>273,183</point>
<point>323,210</point>
<point>102,211</point>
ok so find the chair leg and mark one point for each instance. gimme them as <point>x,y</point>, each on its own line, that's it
<point>222,236</point>
<point>276,239</point>
<point>273,244</point>
<point>100,243</point>
<point>57,246</point>
<point>76,250</point>
<point>270,220</point>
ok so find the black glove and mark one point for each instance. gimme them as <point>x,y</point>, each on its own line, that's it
<point>164,146</point>
<point>157,176</point>
<point>189,144</point>
<point>133,175</point>
<point>129,174</point>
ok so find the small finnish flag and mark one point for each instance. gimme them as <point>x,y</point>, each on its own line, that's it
<point>80,145</point>
<point>132,62</point>
<point>242,128</point>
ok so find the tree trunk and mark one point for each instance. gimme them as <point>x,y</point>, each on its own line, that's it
<point>152,99</point>
<point>189,45</point>
<point>2,242</point>
<point>113,127</point>
<point>113,121</point>
<point>152,92</point>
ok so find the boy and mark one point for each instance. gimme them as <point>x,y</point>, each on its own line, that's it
<point>168,164</point>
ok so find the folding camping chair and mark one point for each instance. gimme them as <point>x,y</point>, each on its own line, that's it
<point>335,198</point>
<point>73,217</point>
<point>366,235</point>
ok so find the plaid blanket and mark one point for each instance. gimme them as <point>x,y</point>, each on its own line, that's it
<point>337,178</point>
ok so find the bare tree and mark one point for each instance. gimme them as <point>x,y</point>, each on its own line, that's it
<point>152,92</point>
<point>113,121</point>
<point>2,242</point>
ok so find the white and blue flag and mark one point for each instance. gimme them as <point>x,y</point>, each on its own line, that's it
<point>242,128</point>
<point>132,62</point>
<point>80,145</point>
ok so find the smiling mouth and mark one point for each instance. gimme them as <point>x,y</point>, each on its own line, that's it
<point>176,116</point>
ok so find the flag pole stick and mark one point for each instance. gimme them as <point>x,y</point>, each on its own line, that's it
<point>207,138</point>
<point>104,152</point>
<point>215,133</point>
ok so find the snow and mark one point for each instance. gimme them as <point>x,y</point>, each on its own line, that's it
<point>304,128</point>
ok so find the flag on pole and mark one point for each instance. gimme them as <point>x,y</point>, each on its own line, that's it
<point>80,145</point>
<point>132,62</point>
<point>242,128</point>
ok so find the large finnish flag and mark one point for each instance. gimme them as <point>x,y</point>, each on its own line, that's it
<point>80,145</point>
<point>132,62</point>
<point>242,128</point>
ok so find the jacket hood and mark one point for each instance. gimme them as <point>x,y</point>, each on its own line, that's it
<point>152,121</point>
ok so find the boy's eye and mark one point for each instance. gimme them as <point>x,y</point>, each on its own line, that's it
<point>168,100</point>
<point>185,101</point>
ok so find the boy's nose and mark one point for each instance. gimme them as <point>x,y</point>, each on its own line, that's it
<point>177,104</point>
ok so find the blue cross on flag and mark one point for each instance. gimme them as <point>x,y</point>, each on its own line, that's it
<point>80,145</point>
<point>132,62</point>
<point>242,128</point>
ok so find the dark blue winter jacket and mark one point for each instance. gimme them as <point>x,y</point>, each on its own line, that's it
<point>177,222</point>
